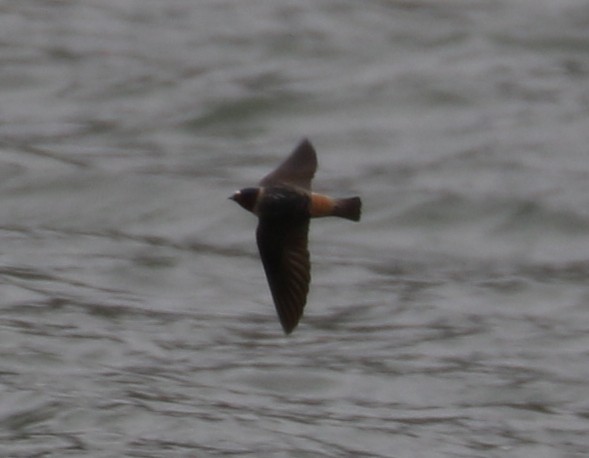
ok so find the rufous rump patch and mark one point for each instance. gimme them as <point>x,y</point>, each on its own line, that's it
<point>321,205</point>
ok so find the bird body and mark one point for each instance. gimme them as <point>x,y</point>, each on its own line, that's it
<point>284,205</point>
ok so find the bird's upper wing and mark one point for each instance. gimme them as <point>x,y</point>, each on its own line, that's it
<point>298,169</point>
<point>284,253</point>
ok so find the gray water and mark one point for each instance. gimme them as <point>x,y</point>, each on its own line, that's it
<point>135,318</point>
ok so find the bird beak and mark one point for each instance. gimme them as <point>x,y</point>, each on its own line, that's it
<point>233,196</point>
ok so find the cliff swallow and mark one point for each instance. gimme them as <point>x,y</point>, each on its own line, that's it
<point>284,205</point>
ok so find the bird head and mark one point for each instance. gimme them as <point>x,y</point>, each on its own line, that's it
<point>246,197</point>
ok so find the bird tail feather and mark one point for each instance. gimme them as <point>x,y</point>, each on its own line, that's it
<point>350,208</point>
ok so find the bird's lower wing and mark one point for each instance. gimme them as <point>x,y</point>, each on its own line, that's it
<point>285,256</point>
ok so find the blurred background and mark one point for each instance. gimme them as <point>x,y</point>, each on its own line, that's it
<point>135,318</point>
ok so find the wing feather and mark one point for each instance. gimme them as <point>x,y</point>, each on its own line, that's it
<point>285,257</point>
<point>297,169</point>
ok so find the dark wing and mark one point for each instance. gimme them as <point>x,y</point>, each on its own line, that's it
<point>284,253</point>
<point>298,169</point>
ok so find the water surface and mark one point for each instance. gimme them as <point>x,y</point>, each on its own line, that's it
<point>135,318</point>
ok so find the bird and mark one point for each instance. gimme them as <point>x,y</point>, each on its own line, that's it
<point>284,204</point>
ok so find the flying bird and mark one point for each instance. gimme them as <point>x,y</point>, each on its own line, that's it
<point>284,205</point>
